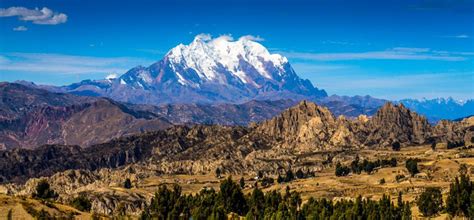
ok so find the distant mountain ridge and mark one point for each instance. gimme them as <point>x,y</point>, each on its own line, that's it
<point>441,108</point>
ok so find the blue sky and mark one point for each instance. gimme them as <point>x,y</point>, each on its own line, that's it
<point>387,49</point>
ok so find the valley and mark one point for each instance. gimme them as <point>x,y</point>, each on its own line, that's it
<point>300,148</point>
<point>437,169</point>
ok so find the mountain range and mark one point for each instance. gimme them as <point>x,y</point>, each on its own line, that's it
<point>223,71</point>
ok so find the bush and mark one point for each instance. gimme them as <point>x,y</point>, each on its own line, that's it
<point>342,170</point>
<point>382,181</point>
<point>455,144</point>
<point>300,174</point>
<point>127,184</point>
<point>43,191</point>
<point>412,166</point>
<point>396,146</point>
<point>81,203</point>
<point>399,177</point>
<point>430,202</point>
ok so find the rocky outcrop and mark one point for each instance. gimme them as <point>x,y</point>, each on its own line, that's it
<point>396,123</point>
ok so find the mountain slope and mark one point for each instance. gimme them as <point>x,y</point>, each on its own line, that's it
<point>31,117</point>
<point>207,70</point>
<point>289,140</point>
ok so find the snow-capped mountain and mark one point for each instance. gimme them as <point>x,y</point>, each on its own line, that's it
<point>206,70</point>
<point>441,108</point>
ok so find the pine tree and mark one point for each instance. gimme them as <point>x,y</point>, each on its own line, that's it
<point>242,183</point>
<point>430,202</point>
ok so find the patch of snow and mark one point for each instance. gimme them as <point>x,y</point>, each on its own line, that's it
<point>205,55</point>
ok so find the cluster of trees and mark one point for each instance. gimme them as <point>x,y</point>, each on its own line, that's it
<point>460,200</point>
<point>290,176</point>
<point>209,204</point>
<point>367,166</point>
<point>455,144</point>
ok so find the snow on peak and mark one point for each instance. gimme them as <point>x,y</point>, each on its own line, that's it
<point>111,76</point>
<point>206,55</point>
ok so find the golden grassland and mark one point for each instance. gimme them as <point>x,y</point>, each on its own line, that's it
<point>438,168</point>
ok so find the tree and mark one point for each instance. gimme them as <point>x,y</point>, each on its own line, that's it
<point>396,146</point>
<point>260,174</point>
<point>342,170</point>
<point>289,176</point>
<point>412,166</point>
<point>382,181</point>
<point>430,202</point>
<point>242,182</point>
<point>127,184</point>
<point>81,203</point>
<point>10,214</point>
<point>280,179</point>
<point>299,174</point>
<point>43,191</point>
<point>458,202</point>
<point>232,197</point>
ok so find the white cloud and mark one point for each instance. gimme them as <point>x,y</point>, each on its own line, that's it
<point>460,36</point>
<point>203,37</point>
<point>20,28</point>
<point>67,64</point>
<point>111,76</point>
<point>252,38</point>
<point>399,53</point>
<point>45,16</point>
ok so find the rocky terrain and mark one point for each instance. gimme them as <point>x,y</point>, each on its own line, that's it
<point>288,139</point>
<point>305,136</point>
<point>31,117</point>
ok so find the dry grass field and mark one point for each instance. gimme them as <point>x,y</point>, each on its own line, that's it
<point>437,169</point>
